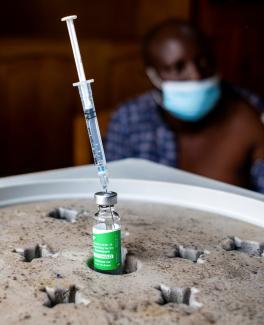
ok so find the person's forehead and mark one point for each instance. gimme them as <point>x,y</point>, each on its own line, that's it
<point>168,49</point>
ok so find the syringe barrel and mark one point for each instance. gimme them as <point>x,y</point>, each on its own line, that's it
<point>93,130</point>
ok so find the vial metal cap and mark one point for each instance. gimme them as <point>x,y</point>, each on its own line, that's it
<point>105,198</point>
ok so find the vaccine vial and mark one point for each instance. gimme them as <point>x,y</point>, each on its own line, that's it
<point>107,235</point>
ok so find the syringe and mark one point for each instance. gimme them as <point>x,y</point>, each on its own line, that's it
<point>86,95</point>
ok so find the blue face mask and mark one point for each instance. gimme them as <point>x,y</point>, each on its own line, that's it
<point>190,100</point>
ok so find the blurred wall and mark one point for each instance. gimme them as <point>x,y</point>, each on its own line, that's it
<point>41,126</point>
<point>236,30</point>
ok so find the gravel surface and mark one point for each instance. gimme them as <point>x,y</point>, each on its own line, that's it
<point>227,288</point>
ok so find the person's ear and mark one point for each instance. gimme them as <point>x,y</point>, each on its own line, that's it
<point>153,77</point>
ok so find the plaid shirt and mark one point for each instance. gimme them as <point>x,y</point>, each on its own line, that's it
<point>138,131</point>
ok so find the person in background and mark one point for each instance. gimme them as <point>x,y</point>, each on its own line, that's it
<point>191,120</point>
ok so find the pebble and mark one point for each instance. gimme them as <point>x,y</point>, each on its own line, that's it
<point>228,244</point>
<point>210,317</point>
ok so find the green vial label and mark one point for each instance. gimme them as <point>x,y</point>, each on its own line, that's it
<point>107,249</point>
